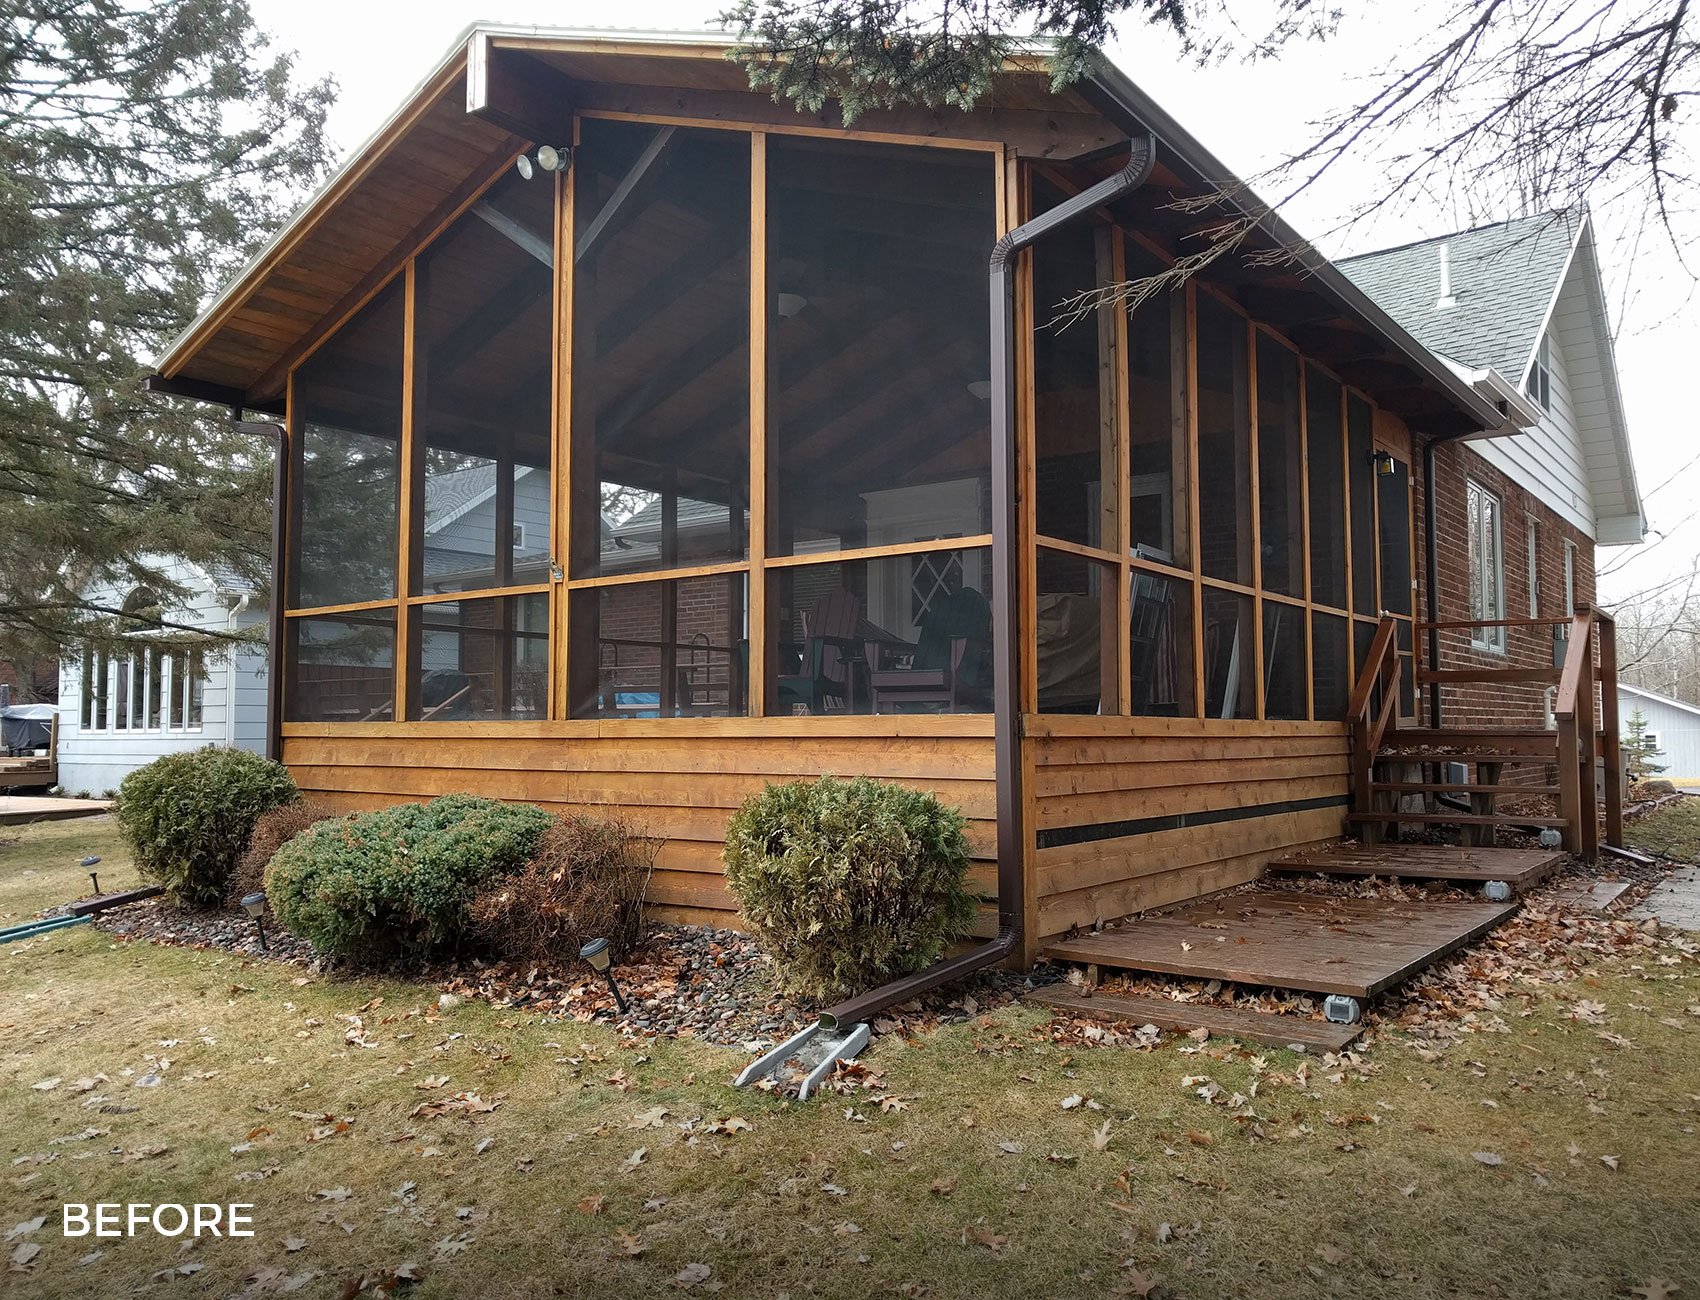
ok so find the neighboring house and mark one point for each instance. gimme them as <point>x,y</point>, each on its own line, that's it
<point>1672,725</point>
<point>1518,309</point>
<point>632,488</point>
<point>118,712</point>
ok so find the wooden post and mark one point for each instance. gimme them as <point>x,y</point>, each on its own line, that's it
<point>411,462</point>
<point>1610,731</point>
<point>1569,784</point>
<point>1586,747</point>
<point>757,669</point>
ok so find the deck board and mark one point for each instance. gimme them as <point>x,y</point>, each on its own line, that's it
<point>1317,943</point>
<point>1269,1028</point>
<point>1519,868</point>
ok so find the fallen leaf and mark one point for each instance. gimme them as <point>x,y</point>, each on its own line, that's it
<point>592,1204</point>
<point>1488,1158</point>
<point>1610,1162</point>
<point>1656,1288</point>
<point>692,1275</point>
<point>939,1187</point>
<point>1073,1100</point>
<point>23,1256</point>
<point>992,1241</point>
<point>1140,1284</point>
<point>650,1118</point>
<point>631,1245</point>
<point>1200,1139</point>
<point>1101,1137</point>
<point>25,1228</point>
<point>293,1244</point>
<point>47,1085</point>
<point>632,1161</point>
<point>1332,1254</point>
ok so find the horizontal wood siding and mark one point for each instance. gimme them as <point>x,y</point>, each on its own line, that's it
<point>1093,777</point>
<point>680,788</point>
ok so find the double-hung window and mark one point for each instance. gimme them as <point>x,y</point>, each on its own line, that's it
<point>1486,516</point>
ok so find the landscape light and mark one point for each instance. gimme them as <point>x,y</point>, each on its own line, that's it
<point>255,905</point>
<point>600,960</point>
<point>88,864</point>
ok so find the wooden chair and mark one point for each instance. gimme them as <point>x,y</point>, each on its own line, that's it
<point>832,656</point>
<point>892,688</point>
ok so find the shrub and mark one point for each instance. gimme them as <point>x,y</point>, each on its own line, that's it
<point>849,883</point>
<point>398,883</point>
<point>586,880</point>
<point>187,817</point>
<point>273,830</point>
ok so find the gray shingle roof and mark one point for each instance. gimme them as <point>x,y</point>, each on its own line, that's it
<point>1503,277</point>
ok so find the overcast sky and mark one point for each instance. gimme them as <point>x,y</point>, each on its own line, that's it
<point>378,50</point>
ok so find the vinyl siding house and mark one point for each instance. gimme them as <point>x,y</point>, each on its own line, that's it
<point>791,468</point>
<point>1675,726</point>
<point>118,712</point>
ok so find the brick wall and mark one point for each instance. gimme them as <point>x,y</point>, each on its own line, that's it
<point>1497,704</point>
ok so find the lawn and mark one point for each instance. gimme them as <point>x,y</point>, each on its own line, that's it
<point>494,1154</point>
<point>1671,832</point>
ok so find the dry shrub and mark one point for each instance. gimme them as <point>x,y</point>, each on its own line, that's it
<point>274,829</point>
<point>585,881</point>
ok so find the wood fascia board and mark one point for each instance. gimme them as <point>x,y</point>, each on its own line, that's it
<point>335,190</point>
<point>515,91</point>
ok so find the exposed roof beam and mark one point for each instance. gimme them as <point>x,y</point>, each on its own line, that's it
<point>600,226</point>
<point>505,225</point>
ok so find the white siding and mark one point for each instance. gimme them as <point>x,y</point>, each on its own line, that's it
<point>96,761</point>
<point>1549,459</point>
<point>1676,726</point>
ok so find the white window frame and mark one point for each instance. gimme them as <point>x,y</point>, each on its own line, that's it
<point>1534,569</point>
<point>1539,386</point>
<point>1486,558</point>
<point>1569,578</point>
<point>178,715</point>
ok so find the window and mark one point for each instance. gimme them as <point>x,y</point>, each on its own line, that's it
<point>347,400</point>
<point>1485,517</point>
<point>1569,579</point>
<point>1325,459</point>
<point>96,671</point>
<point>1158,490</point>
<point>1533,548</point>
<point>194,689</point>
<point>1224,445</point>
<point>340,668</point>
<point>1540,374</point>
<point>1280,476</point>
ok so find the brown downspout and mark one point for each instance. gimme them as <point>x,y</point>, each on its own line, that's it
<point>1006,584</point>
<point>274,635</point>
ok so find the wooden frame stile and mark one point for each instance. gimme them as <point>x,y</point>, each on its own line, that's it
<point>756,669</point>
<point>1194,542</point>
<point>1346,514</point>
<point>1254,492</point>
<point>1304,515</point>
<point>1124,484</point>
<point>560,441</point>
<point>412,493</point>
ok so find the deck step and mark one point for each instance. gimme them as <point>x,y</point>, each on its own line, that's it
<point>1460,819</point>
<point>1269,1028</point>
<point>1420,754</point>
<point>1468,787</point>
<point>1519,868</point>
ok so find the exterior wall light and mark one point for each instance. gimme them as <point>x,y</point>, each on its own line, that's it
<point>546,158</point>
<point>255,905</point>
<point>88,864</point>
<point>600,960</point>
<point>1384,463</point>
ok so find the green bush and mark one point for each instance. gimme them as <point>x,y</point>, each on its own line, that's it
<point>849,883</point>
<point>187,817</point>
<point>399,882</point>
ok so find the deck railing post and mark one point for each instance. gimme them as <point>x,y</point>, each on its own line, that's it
<point>1611,735</point>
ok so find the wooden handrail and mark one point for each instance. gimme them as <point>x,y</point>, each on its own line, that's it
<point>1578,662</point>
<point>1459,623</point>
<point>1386,633</point>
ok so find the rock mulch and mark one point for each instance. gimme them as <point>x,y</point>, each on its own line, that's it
<point>683,981</point>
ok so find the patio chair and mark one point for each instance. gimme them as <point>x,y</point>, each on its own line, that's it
<point>832,655</point>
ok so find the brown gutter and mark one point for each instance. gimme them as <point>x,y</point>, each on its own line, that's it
<point>1006,585</point>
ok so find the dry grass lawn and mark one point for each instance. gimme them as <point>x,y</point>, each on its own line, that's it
<point>1671,832</point>
<point>1558,1160</point>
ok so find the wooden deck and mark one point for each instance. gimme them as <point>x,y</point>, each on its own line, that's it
<point>17,810</point>
<point>1270,1029</point>
<point>1519,868</point>
<point>1283,939</point>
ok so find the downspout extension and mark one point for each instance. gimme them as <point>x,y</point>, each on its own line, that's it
<point>274,631</point>
<point>1006,585</point>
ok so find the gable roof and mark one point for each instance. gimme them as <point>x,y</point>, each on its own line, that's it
<point>1504,277</point>
<point>1510,283</point>
<point>502,87</point>
<point>1646,694</point>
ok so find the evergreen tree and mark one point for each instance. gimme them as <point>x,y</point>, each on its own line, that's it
<point>146,148</point>
<point>1639,749</point>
